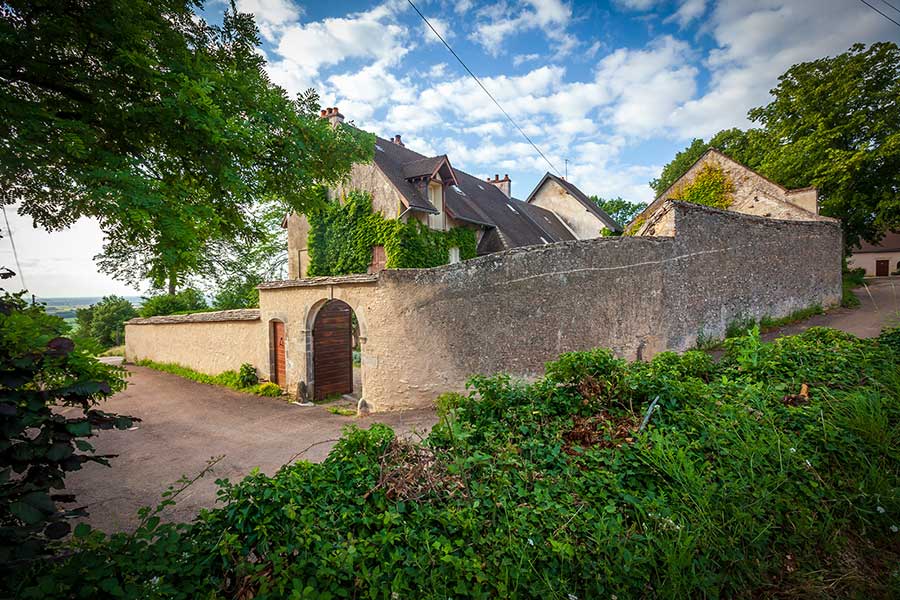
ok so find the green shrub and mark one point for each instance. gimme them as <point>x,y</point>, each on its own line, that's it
<point>743,484</point>
<point>247,376</point>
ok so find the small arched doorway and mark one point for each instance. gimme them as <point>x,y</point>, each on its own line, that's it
<point>333,350</point>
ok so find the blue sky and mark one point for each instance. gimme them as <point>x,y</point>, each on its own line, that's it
<point>614,87</point>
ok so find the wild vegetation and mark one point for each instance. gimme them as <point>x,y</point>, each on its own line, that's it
<point>104,322</point>
<point>619,210</point>
<point>773,472</point>
<point>342,234</point>
<point>833,123</point>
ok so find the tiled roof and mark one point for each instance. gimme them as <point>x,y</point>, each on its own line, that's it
<point>889,243</point>
<point>471,200</point>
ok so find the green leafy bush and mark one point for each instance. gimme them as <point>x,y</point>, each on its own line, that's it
<point>185,301</point>
<point>247,376</point>
<point>265,389</point>
<point>341,237</point>
<point>104,321</point>
<point>41,372</point>
<point>744,483</point>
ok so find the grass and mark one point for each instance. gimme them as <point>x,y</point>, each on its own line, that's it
<point>743,325</point>
<point>340,410</point>
<point>227,379</point>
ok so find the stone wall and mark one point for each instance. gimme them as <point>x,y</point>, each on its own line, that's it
<point>426,331</point>
<point>210,342</point>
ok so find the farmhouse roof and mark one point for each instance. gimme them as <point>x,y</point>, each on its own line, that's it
<point>469,199</point>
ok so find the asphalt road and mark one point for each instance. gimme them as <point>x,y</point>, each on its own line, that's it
<point>184,425</point>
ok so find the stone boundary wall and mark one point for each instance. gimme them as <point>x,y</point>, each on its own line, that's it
<point>426,331</point>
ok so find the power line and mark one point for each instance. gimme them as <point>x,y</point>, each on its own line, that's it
<point>481,85</point>
<point>15,253</point>
<point>891,5</point>
<point>881,13</point>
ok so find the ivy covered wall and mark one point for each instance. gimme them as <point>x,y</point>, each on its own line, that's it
<point>341,237</point>
<point>711,187</point>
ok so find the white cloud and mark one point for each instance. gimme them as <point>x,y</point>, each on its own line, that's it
<point>271,15</point>
<point>441,26</point>
<point>498,21</point>
<point>518,59</point>
<point>688,11</point>
<point>306,48</point>
<point>372,85</point>
<point>640,5</point>
<point>758,41</point>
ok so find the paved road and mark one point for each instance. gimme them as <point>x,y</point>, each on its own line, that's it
<point>186,423</point>
<point>879,306</point>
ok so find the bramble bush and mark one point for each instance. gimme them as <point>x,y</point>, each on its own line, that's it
<point>772,472</point>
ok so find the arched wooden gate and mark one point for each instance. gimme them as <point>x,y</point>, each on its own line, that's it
<point>333,350</point>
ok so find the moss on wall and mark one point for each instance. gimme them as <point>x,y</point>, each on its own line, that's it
<point>341,237</point>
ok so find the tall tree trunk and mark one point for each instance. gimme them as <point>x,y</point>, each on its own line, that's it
<point>173,283</point>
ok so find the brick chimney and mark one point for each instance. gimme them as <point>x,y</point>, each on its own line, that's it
<point>504,184</point>
<point>333,115</point>
<point>397,141</point>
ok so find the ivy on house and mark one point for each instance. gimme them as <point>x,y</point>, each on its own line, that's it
<point>341,237</point>
<point>711,187</point>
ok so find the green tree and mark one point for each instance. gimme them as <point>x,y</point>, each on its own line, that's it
<point>621,211</point>
<point>41,371</point>
<point>163,127</point>
<point>837,122</point>
<point>184,301</point>
<point>108,317</point>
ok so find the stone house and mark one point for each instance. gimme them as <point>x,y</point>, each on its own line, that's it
<point>407,185</point>
<point>879,260</point>
<point>753,194</point>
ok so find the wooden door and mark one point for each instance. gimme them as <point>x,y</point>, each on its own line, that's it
<point>882,268</point>
<point>279,364</point>
<point>332,351</point>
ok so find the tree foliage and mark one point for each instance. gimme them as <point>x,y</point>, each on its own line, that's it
<point>187,300</point>
<point>834,123</point>
<point>40,372</point>
<point>105,321</point>
<point>837,125</point>
<point>163,127</point>
<point>619,210</point>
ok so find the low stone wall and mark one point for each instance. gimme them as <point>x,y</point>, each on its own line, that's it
<point>210,342</point>
<point>426,331</point>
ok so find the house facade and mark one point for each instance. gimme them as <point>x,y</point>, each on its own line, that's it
<point>752,194</point>
<point>407,185</point>
<point>879,260</point>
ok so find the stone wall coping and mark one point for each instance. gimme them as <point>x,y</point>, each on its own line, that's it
<point>242,314</point>
<point>814,221</point>
<point>318,281</point>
